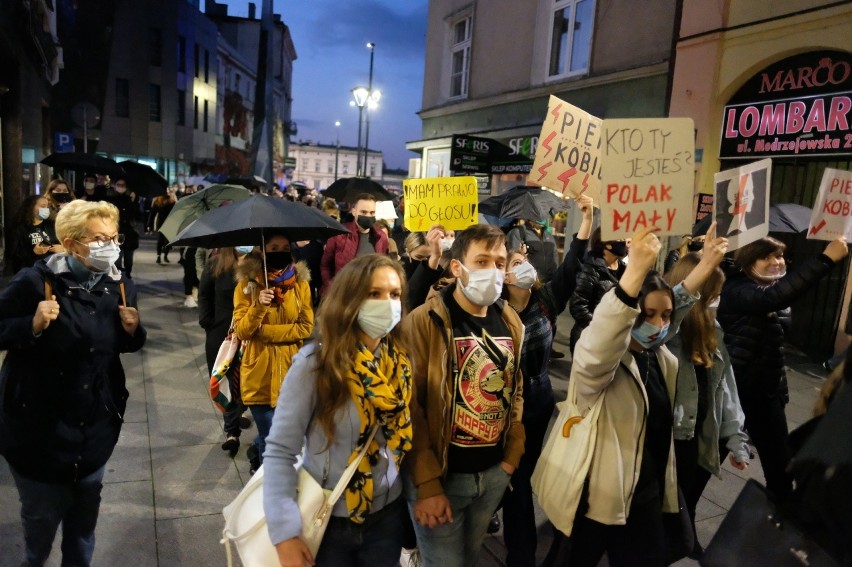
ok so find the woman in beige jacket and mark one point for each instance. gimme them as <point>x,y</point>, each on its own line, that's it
<point>621,356</point>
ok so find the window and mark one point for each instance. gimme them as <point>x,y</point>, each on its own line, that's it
<point>329,166</point>
<point>571,39</point>
<point>304,165</point>
<point>181,54</point>
<point>372,170</point>
<point>155,47</point>
<point>154,102</point>
<point>205,114</point>
<point>206,66</point>
<point>345,168</point>
<point>181,107</point>
<point>317,166</point>
<point>122,98</point>
<point>460,53</point>
<point>195,114</point>
<point>197,60</point>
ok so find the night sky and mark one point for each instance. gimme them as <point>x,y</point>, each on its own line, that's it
<point>330,37</point>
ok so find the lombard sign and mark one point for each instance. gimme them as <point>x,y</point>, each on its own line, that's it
<point>801,105</point>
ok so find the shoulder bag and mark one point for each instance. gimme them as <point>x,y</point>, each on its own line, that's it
<point>245,521</point>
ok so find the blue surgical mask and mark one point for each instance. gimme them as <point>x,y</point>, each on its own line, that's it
<point>43,213</point>
<point>649,335</point>
<point>244,249</point>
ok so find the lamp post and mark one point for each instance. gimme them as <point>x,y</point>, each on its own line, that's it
<point>360,95</point>
<point>337,149</point>
<point>372,47</point>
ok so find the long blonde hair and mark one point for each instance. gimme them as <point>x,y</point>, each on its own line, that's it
<point>698,329</point>
<point>338,330</point>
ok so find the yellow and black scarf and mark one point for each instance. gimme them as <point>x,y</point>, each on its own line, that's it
<point>381,389</point>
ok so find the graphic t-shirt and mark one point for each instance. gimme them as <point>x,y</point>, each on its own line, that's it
<point>482,388</point>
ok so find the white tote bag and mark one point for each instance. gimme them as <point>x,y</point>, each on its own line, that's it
<point>245,521</point>
<point>565,460</point>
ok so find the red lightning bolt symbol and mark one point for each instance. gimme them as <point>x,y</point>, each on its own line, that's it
<point>818,227</point>
<point>543,170</point>
<point>585,184</point>
<point>555,112</point>
<point>546,142</point>
<point>565,177</point>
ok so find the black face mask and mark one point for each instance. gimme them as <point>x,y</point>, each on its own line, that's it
<point>278,260</point>
<point>695,246</point>
<point>618,248</point>
<point>61,197</point>
<point>366,222</point>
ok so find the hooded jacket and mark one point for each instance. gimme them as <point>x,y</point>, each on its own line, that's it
<point>431,334</point>
<point>604,366</point>
<point>341,249</point>
<point>272,334</point>
<point>62,394</point>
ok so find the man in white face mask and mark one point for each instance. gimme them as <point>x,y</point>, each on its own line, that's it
<point>466,413</point>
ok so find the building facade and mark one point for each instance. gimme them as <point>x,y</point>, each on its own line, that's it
<point>765,79</point>
<point>315,164</point>
<point>492,65</point>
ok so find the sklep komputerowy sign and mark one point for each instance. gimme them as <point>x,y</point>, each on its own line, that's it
<point>801,105</point>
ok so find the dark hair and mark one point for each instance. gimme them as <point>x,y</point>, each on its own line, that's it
<point>597,245</point>
<point>382,223</point>
<point>490,234</point>
<point>364,197</point>
<point>745,257</point>
<point>653,282</point>
<point>25,213</point>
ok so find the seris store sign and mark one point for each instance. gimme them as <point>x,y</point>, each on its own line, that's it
<point>801,105</point>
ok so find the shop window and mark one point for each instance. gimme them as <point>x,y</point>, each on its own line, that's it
<point>571,37</point>
<point>122,98</point>
<point>460,57</point>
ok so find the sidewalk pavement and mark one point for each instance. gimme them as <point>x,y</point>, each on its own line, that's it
<point>168,479</point>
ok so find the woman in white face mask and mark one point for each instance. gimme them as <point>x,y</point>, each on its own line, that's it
<point>34,237</point>
<point>356,378</point>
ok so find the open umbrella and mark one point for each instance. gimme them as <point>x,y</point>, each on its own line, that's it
<point>523,202</point>
<point>347,189</point>
<point>789,217</point>
<point>143,180</point>
<point>244,223</point>
<point>248,181</point>
<point>84,163</point>
<point>189,208</point>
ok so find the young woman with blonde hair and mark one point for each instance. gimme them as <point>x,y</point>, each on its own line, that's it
<point>357,377</point>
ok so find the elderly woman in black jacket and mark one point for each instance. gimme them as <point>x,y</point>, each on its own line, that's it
<point>60,415</point>
<point>752,311</point>
<point>600,272</point>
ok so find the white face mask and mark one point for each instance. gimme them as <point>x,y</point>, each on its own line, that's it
<point>483,286</point>
<point>89,185</point>
<point>101,258</point>
<point>43,213</point>
<point>447,243</point>
<point>120,189</point>
<point>378,317</point>
<point>525,275</point>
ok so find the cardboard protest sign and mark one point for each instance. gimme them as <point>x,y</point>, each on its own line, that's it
<point>567,157</point>
<point>741,210</point>
<point>648,176</point>
<point>832,214</point>
<point>449,201</point>
<point>705,206</point>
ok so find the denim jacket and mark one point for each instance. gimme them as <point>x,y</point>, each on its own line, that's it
<point>724,420</point>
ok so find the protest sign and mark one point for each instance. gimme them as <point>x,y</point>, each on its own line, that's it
<point>567,157</point>
<point>449,201</point>
<point>832,214</point>
<point>741,209</point>
<point>648,176</point>
<point>705,206</point>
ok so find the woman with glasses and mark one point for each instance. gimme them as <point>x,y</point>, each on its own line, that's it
<point>64,323</point>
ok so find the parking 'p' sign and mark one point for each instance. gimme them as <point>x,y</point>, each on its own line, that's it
<point>832,214</point>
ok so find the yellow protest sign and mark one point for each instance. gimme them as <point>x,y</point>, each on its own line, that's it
<point>648,176</point>
<point>448,201</point>
<point>567,157</point>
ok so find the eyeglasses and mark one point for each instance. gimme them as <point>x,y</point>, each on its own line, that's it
<point>101,241</point>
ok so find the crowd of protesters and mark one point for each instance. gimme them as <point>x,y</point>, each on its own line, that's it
<point>430,351</point>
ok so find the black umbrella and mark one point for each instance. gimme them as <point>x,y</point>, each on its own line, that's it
<point>243,223</point>
<point>143,180</point>
<point>523,202</point>
<point>789,217</point>
<point>247,181</point>
<point>347,189</point>
<point>84,163</point>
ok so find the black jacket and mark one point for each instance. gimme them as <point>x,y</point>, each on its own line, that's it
<point>593,281</point>
<point>62,394</point>
<point>128,215</point>
<point>754,316</point>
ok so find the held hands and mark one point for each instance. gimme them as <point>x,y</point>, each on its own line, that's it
<point>294,553</point>
<point>433,511</point>
<point>265,297</point>
<point>47,311</point>
<point>836,249</point>
<point>129,318</point>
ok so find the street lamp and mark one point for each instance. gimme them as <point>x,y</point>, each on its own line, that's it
<point>360,95</point>
<point>372,47</point>
<point>337,149</point>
